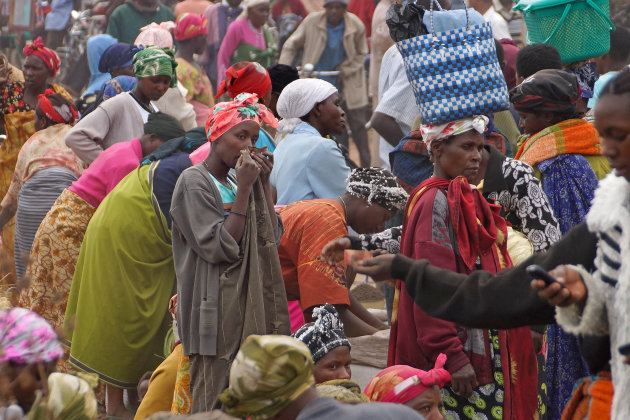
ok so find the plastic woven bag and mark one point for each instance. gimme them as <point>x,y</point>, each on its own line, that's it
<point>455,74</point>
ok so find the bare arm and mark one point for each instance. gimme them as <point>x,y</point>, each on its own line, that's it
<point>353,325</point>
<point>6,214</point>
<point>387,127</point>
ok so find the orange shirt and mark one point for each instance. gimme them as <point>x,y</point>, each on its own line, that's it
<point>308,226</point>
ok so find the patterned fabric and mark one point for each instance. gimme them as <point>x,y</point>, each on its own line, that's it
<point>377,185</point>
<point>245,77</point>
<point>226,115</point>
<point>118,85</point>
<point>547,90</point>
<point>60,114</point>
<point>26,338</point>
<point>48,56</point>
<point>198,86</point>
<point>592,399</point>
<point>486,401</point>
<point>182,398</point>
<point>570,184</point>
<point>387,240</point>
<point>189,25</point>
<point>344,390</point>
<point>155,61</point>
<point>71,397</point>
<point>54,255</point>
<point>434,67</point>
<point>323,335</point>
<point>431,132</point>
<point>268,373</point>
<point>586,74</point>
<point>45,149</point>
<point>401,383</point>
<point>570,136</point>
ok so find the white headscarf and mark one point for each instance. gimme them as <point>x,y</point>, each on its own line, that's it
<point>246,4</point>
<point>431,133</point>
<point>298,98</point>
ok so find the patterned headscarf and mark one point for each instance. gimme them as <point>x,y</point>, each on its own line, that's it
<point>156,35</point>
<point>60,114</point>
<point>547,90</point>
<point>586,75</point>
<point>118,84</point>
<point>323,335</point>
<point>26,338</point>
<point>48,56</point>
<point>245,77</point>
<point>377,185</point>
<point>268,373</point>
<point>344,390</point>
<point>401,383</point>
<point>225,115</point>
<point>72,397</point>
<point>189,25</point>
<point>117,55</point>
<point>155,61</point>
<point>431,133</point>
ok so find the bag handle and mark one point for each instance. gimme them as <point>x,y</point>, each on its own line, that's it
<point>567,9</point>
<point>440,8</point>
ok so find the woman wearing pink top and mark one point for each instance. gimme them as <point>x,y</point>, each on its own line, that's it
<point>58,240</point>
<point>248,38</point>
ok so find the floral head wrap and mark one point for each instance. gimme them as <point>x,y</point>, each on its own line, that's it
<point>439,132</point>
<point>26,338</point>
<point>60,114</point>
<point>268,373</point>
<point>225,115</point>
<point>377,185</point>
<point>48,56</point>
<point>323,335</point>
<point>156,35</point>
<point>155,61</point>
<point>189,25</point>
<point>400,383</point>
<point>245,77</point>
<point>118,84</point>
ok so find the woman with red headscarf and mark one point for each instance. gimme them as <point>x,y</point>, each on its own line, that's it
<point>45,167</point>
<point>190,32</point>
<point>244,77</point>
<point>415,388</point>
<point>19,100</point>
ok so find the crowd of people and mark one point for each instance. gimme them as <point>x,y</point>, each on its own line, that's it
<point>181,234</point>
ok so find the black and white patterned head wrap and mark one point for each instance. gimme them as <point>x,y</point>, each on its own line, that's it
<point>323,335</point>
<point>377,185</point>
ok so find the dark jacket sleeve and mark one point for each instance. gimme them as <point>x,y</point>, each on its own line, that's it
<point>484,300</point>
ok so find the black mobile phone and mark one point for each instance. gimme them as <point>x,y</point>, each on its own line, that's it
<point>540,273</point>
<point>625,350</point>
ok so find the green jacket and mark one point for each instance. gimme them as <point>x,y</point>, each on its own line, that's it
<point>126,21</point>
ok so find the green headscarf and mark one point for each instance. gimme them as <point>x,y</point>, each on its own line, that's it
<point>155,61</point>
<point>268,373</point>
<point>69,397</point>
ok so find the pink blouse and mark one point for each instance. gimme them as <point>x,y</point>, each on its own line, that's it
<point>239,31</point>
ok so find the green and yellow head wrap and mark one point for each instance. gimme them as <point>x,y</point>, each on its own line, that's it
<point>268,373</point>
<point>155,61</point>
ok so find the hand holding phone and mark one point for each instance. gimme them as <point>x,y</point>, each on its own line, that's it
<point>537,272</point>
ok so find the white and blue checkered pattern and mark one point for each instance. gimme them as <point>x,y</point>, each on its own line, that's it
<point>455,74</point>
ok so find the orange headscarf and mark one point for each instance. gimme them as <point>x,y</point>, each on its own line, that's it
<point>225,115</point>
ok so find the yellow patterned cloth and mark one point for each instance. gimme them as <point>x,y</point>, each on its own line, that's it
<point>182,398</point>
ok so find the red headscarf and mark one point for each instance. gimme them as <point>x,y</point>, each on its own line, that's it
<point>61,114</point>
<point>400,383</point>
<point>48,56</point>
<point>189,25</point>
<point>245,77</point>
<point>226,115</point>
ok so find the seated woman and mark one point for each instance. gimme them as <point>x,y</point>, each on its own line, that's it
<point>372,197</point>
<point>122,117</point>
<point>453,226</point>
<point>412,387</point>
<point>225,235</point>
<point>328,344</point>
<point>44,168</point>
<point>126,263</point>
<point>308,164</point>
<point>58,239</point>
<point>30,351</point>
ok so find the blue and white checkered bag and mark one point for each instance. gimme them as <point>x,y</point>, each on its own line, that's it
<point>455,74</point>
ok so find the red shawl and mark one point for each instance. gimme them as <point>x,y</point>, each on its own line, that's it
<point>480,234</point>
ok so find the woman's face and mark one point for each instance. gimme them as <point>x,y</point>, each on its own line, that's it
<point>36,73</point>
<point>459,155</point>
<point>370,218</point>
<point>258,15</point>
<point>334,365</point>
<point>429,404</point>
<point>612,120</point>
<point>531,123</point>
<point>237,138</point>
<point>154,87</point>
<point>331,116</point>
